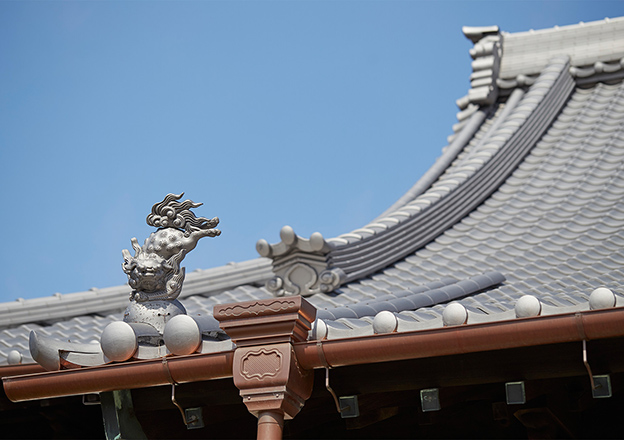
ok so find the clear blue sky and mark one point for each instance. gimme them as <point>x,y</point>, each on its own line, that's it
<point>316,114</point>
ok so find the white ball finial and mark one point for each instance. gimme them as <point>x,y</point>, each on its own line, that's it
<point>319,329</point>
<point>385,322</point>
<point>288,236</point>
<point>454,314</point>
<point>263,247</point>
<point>118,341</point>
<point>317,241</point>
<point>14,358</point>
<point>601,298</point>
<point>182,335</point>
<point>528,306</point>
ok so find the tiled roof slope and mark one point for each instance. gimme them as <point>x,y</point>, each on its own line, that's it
<point>464,187</point>
<point>525,200</point>
<point>554,229</point>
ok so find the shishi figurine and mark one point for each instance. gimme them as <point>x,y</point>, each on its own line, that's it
<point>155,276</point>
<point>154,272</point>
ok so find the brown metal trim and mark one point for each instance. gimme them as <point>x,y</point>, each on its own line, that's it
<point>521,332</point>
<point>122,376</point>
<point>14,370</point>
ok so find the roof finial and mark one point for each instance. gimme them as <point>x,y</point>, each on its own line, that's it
<point>154,272</point>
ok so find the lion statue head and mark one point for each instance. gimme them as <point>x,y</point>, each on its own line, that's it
<point>151,276</point>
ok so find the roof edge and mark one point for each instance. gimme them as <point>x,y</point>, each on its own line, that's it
<point>470,338</point>
<point>441,164</point>
<point>111,299</point>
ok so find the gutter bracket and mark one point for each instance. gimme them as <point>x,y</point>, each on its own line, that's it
<point>347,406</point>
<point>581,331</point>
<point>331,391</point>
<point>321,354</point>
<point>591,376</point>
<point>192,417</point>
<point>601,384</point>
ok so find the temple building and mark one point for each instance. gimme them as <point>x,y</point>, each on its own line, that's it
<point>488,301</point>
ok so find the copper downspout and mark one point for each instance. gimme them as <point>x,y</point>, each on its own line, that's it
<point>270,425</point>
<point>524,332</point>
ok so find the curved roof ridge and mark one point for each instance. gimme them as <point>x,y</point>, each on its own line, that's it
<point>446,202</point>
<point>445,164</point>
<point>98,301</point>
<point>442,163</point>
<point>449,181</point>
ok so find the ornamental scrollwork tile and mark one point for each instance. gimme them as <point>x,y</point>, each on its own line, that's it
<point>301,266</point>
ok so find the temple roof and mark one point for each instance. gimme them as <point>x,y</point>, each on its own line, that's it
<point>525,200</point>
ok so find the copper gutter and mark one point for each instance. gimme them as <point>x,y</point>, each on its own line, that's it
<point>520,332</point>
<point>541,330</point>
<point>14,370</point>
<point>122,376</point>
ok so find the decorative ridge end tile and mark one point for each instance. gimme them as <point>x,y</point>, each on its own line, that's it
<point>301,266</point>
<point>291,242</point>
<point>486,53</point>
<point>476,33</point>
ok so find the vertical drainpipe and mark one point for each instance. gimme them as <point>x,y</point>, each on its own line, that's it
<point>265,368</point>
<point>270,425</point>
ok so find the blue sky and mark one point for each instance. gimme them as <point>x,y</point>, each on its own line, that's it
<point>316,114</point>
